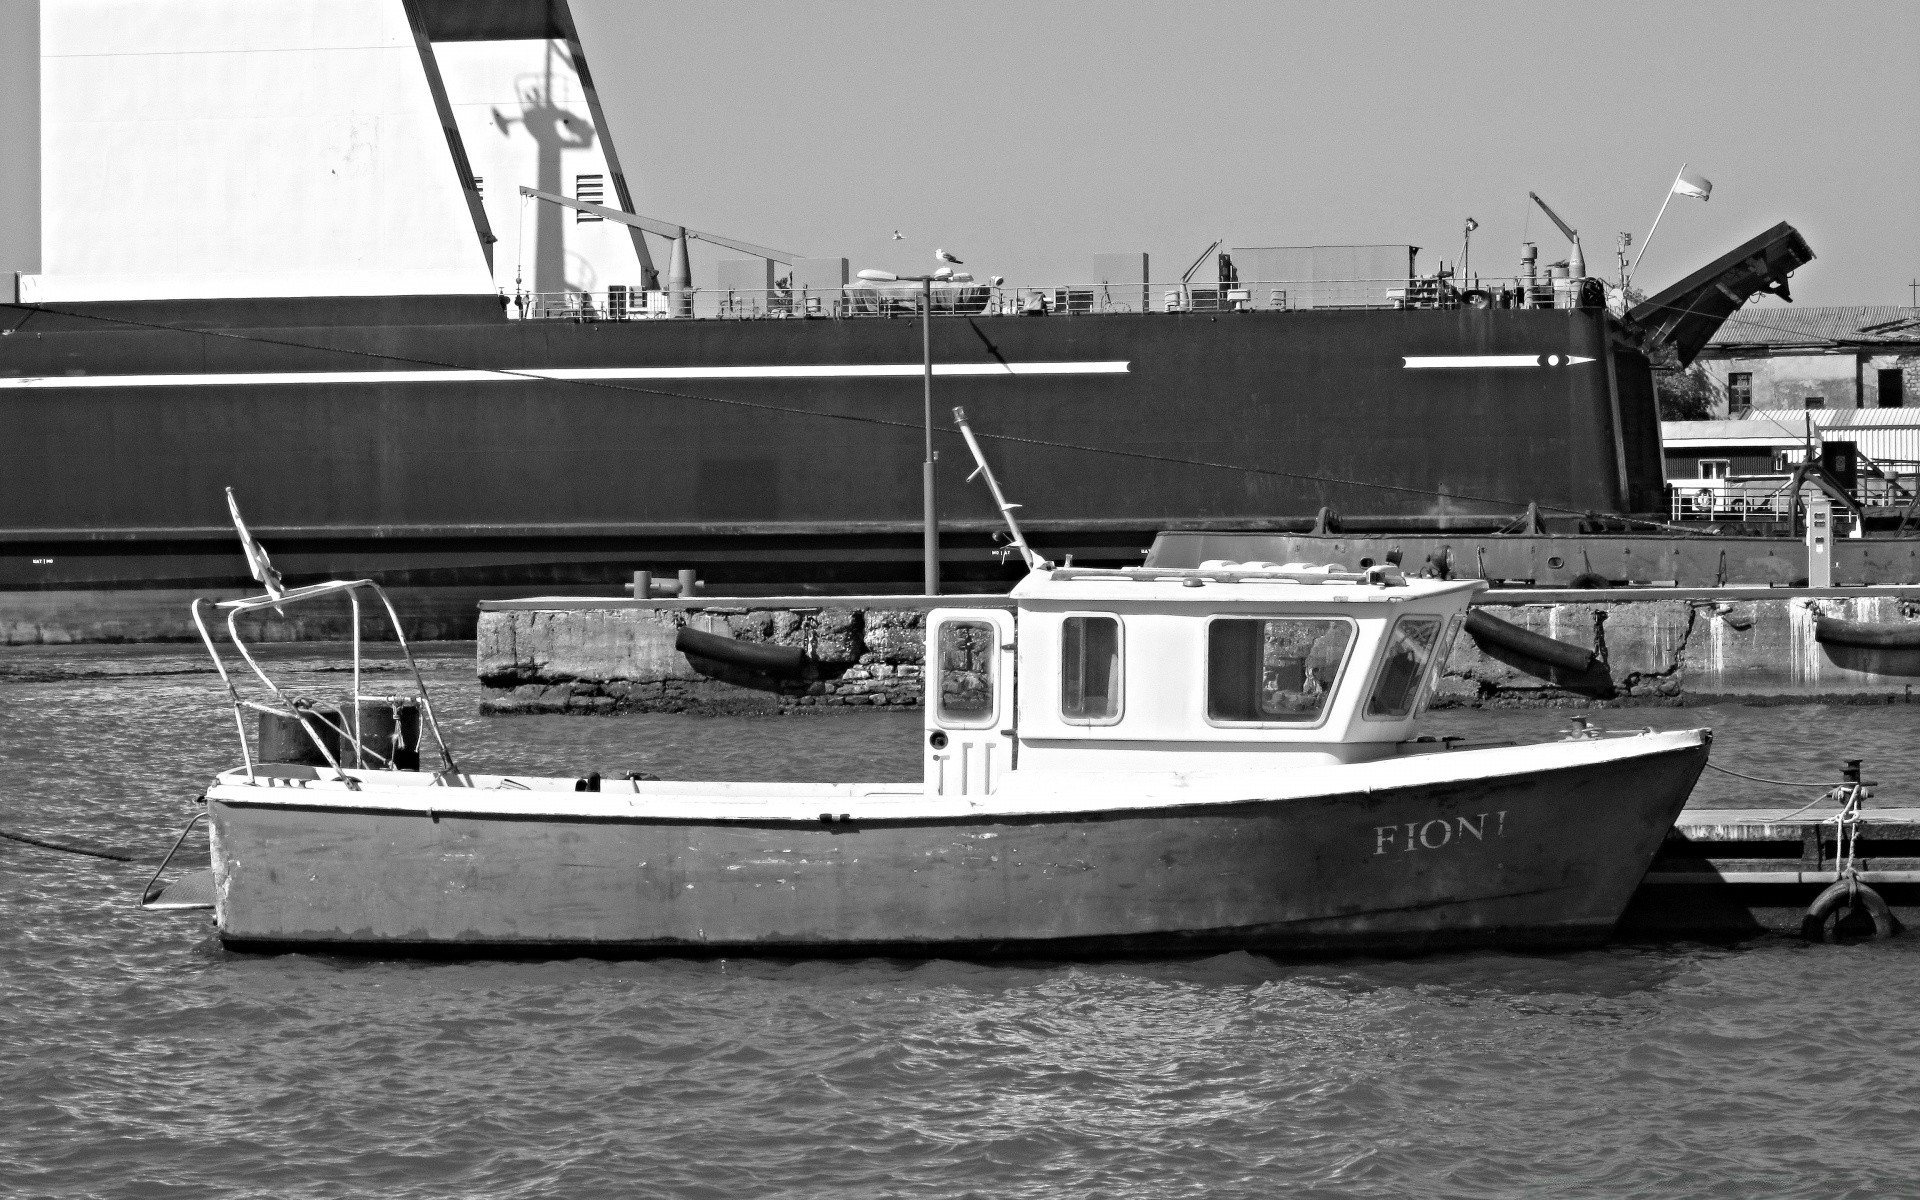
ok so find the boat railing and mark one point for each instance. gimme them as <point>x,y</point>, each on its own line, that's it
<point>971,298</point>
<point>1890,486</point>
<point>353,748</point>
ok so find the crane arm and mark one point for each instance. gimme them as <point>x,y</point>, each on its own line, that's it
<point>1573,235</point>
<point>1196,262</point>
<point>662,228</point>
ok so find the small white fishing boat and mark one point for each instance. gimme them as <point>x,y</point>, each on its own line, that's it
<point>1123,760</point>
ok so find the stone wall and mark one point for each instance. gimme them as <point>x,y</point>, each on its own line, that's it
<point>623,659</point>
<point>1657,646</point>
<point>1692,648</point>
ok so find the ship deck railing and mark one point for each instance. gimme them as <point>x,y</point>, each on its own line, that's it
<point>1767,498</point>
<point>966,298</point>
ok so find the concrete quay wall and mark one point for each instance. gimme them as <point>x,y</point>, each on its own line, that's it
<point>1657,646</point>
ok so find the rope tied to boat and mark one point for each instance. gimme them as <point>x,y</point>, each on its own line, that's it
<point>1756,779</point>
<point>1849,793</point>
<point>24,840</point>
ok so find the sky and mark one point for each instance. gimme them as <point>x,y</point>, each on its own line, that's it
<point>1025,137</point>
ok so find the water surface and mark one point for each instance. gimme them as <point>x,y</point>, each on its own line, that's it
<point>137,1058</point>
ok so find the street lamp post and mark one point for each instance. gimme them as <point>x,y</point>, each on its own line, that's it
<point>929,503</point>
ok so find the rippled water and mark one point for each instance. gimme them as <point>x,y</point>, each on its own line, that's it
<point>137,1058</point>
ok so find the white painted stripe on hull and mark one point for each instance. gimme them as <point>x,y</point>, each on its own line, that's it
<point>1417,361</point>
<point>590,374</point>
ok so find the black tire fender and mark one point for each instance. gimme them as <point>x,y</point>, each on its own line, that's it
<point>785,661</point>
<point>1821,924</point>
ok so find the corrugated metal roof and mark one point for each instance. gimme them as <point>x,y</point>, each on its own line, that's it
<point>1883,434</point>
<point>1864,418</point>
<point>1797,326</point>
<point>1736,428</point>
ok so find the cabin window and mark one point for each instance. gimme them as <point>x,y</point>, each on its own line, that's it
<point>965,672</point>
<point>1714,468</point>
<point>1274,672</point>
<point>1090,670</point>
<point>1403,667</point>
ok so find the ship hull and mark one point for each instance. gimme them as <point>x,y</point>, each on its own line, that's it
<point>1517,857</point>
<point>127,421</point>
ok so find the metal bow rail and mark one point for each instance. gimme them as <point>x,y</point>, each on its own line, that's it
<point>303,712</point>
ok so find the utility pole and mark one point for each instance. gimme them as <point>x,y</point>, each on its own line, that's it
<point>929,505</point>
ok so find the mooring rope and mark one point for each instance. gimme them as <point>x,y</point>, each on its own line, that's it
<point>1777,782</point>
<point>1848,794</point>
<point>34,841</point>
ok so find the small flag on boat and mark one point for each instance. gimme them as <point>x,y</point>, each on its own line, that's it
<point>257,560</point>
<point>1688,183</point>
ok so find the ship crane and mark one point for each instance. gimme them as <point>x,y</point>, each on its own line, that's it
<point>1577,261</point>
<point>679,272</point>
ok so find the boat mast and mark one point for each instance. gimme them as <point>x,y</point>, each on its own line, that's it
<point>1034,561</point>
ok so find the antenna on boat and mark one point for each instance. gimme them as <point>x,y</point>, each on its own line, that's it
<point>1034,561</point>
<point>257,561</point>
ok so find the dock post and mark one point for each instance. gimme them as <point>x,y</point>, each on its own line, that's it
<point>642,585</point>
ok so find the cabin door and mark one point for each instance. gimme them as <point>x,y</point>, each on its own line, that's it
<point>969,676</point>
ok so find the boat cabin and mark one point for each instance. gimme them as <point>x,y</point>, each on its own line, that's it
<point>1217,668</point>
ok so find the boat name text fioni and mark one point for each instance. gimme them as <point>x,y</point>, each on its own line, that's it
<point>1438,833</point>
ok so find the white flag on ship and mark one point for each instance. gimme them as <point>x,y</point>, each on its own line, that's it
<point>1687,183</point>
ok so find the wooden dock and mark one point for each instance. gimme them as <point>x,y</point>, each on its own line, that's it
<point>1737,872</point>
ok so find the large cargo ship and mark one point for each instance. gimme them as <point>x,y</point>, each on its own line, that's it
<point>314,308</point>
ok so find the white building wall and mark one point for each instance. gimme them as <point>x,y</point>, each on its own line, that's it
<point>1787,380</point>
<point>233,148</point>
<point>525,120</point>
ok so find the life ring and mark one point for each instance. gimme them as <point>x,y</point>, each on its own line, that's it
<point>1843,905</point>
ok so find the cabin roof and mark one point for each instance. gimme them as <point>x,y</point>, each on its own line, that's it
<point>1252,584</point>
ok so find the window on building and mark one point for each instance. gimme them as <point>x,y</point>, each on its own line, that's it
<point>1816,401</point>
<point>1402,668</point>
<point>1714,468</point>
<point>1090,670</point>
<point>589,189</point>
<point>1739,392</point>
<point>1893,388</point>
<point>1274,672</point>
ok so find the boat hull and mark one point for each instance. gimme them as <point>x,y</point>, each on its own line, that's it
<point>1530,858</point>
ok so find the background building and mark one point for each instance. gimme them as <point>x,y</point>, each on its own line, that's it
<point>1854,357</point>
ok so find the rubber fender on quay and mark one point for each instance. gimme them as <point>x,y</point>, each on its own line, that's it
<point>1847,899</point>
<point>1555,653</point>
<point>753,656</point>
<point>1833,631</point>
